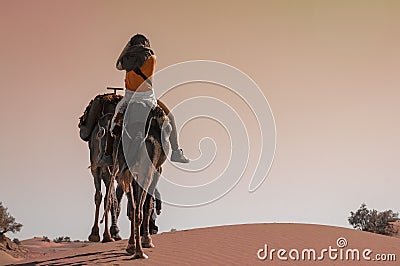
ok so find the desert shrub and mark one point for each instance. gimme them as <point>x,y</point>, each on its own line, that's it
<point>45,239</point>
<point>62,239</point>
<point>7,222</point>
<point>374,221</point>
<point>16,241</point>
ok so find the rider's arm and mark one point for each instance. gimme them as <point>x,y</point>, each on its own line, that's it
<point>149,66</point>
<point>119,63</point>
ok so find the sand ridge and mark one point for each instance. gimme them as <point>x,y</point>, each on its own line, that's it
<point>225,245</point>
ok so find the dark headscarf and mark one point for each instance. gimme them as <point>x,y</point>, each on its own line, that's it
<point>135,57</point>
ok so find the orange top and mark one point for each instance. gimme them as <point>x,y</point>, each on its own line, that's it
<point>134,82</point>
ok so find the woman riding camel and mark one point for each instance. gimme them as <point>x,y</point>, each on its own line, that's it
<point>138,60</point>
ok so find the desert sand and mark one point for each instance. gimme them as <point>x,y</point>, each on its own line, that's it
<point>223,245</point>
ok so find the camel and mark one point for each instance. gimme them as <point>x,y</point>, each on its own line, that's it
<point>93,128</point>
<point>139,179</point>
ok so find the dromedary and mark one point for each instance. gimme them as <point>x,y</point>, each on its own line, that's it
<point>141,171</point>
<point>93,128</point>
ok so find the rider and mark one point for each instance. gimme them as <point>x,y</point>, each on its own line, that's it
<point>138,60</point>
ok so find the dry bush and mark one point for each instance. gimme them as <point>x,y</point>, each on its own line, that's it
<point>374,221</point>
<point>7,222</point>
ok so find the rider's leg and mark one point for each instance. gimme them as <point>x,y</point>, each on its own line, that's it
<point>177,154</point>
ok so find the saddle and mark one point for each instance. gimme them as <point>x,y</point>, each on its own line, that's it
<point>105,104</point>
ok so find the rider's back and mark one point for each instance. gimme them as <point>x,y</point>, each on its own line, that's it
<point>134,82</point>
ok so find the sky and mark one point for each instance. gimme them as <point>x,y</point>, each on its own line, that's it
<point>329,70</point>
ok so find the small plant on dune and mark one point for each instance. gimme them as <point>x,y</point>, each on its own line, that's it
<point>17,241</point>
<point>45,239</point>
<point>7,222</point>
<point>374,221</point>
<point>62,239</point>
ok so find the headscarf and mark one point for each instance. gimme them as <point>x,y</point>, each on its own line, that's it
<point>135,57</point>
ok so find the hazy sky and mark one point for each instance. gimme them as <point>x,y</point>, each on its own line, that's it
<point>329,69</point>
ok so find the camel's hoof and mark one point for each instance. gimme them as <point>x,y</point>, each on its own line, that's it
<point>140,256</point>
<point>147,242</point>
<point>107,239</point>
<point>114,230</point>
<point>130,249</point>
<point>94,238</point>
<point>117,237</point>
<point>94,234</point>
<point>148,245</point>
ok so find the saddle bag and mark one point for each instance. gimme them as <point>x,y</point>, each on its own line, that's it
<point>89,118</point>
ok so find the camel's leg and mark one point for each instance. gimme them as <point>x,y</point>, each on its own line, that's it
<point>146,180</point>
<point>94,235</point>
<point>147,211</point>
<point>131,215</point>
<point>117,153</point>
<point>106,235</point>
<point>119,194</point>
<point>115,211</point>
<point>147,208</point>
<point>139,254</point>
<point>131,242</point>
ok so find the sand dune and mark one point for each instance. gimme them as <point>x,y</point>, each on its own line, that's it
<point>6,258</point>
<point>225,245</point>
